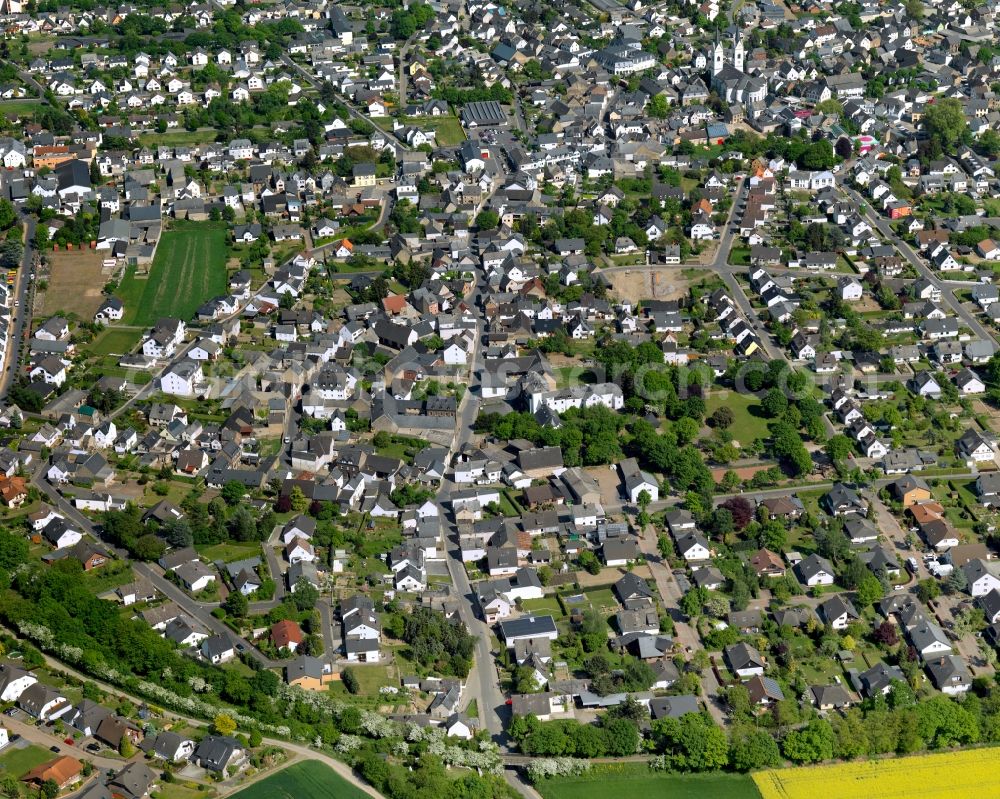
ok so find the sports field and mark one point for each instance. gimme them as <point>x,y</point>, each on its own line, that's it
<point>947,775</point>
<point>189,268</point>
<point>637,780</point>
<point>306,780</point>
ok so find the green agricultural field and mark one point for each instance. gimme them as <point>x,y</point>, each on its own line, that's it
<point>306,780</point>
<point>189,268</point>
<point>636,779</point>
<point>748,420</point>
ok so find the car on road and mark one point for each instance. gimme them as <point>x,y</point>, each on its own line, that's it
<point>54,749</point>
<point>69,741</point>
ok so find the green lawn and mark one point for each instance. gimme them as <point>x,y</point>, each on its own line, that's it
<point>189,268</point>
<point>602,599</point>
<point>15,108</point>
<point>636,779</point>
<point>402,447</point>
<point>546,605</point>
<point>18,762</point>
<point>114,342</point>
<point>747,425</point>
<point>306,780</point>
<point>371,677</point>
<point>740,256</point>
<point>450,132</point>
<point>177,790</point>
<point>507,507</point>
<point>227,553</point>
<point>178,138</point>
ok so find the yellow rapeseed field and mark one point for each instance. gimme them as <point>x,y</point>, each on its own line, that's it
<point>948,775</point>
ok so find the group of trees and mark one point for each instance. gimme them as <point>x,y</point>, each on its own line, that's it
<point>692,742</point>
<point>228,31</point>
<point>815,154</point>
<point>588,436</point>
<point>946,126</point>
<point>613,736</point>
<point>437,642</point>
<point>427,779</point>
<point>268,106</point>
<point>458,97</point>
<point>222,519</point>
<point>632,675</point>
<point>815,235</point>
<point>407,21</point>
<point>896,723</point>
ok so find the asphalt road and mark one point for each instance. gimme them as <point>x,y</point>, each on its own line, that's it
<point>948,294</point>
<point>483,683</point>
<point>197,610</point>
<point>289,61</point>
<point>40,736</point>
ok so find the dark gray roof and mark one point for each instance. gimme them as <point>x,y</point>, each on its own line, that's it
<point>527,626</point>
<point>215,751</point>
<point>673,706</point>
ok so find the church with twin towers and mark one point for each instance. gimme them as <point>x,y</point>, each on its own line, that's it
<point>726,61</point>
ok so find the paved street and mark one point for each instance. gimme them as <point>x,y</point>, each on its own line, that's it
<point>895,535</point>
<point>948,295</point>
<point>42,736</point>
<point>197,610</point>
<point>311,80</point>
<point>20,312</point>
<point>484,683</point>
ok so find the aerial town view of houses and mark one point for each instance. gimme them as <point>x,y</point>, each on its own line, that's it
<point>447,399</point>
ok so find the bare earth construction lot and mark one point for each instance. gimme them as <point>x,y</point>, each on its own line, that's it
<point>76,281</point>
<point>653,283</point>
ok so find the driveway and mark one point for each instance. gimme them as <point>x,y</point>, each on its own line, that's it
<point>39,736</point>
<point>684,634</point>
